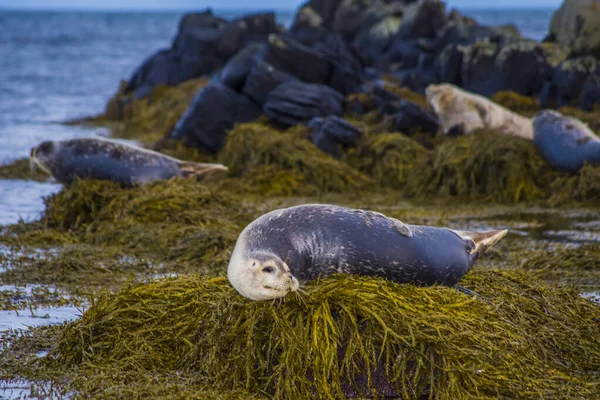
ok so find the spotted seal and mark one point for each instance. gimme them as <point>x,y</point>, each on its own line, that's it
<point>565,142</point>
<point>461,112</point>
<point>106,159</point>
<point>277,251</point>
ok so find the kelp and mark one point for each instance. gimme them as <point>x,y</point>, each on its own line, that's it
<point>21,169</point>
<point>489,165</point>
<point>349,336</point>
<point>524,105</point>
<point>282,163</point>
<point>584,186</point>
<point>393,159</point>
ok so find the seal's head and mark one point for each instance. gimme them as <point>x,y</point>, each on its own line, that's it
<point>42,156</point>
<point>261,276</point>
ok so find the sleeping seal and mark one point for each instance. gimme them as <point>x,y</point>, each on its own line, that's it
<point>105,159</point>
<point>461,112</point>
<point>565,142</point>
<point>285,247</point>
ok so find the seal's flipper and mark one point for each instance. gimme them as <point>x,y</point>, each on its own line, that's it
<point>482,240</point>
<point>200,170</point>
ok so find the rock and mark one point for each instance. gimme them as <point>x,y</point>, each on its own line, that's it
<point>213,112</point>
<point>325,9</point>
<point>203,44</point>
<point>262,79</point>
<point>377,39</point>
<point>297,102</point>
<point>291,57</point>
<point>346,66</point>
<point>522,66</point>
<point>448,65</point>
<point>239,66</point>
<point>332,133</point>
<point>591,93</point>
<point>565,142</point>
<point>568,81</point>
<point>576,25</point>
<point>410,116</point>
<point>359,16</point>
<point>404,54</point>
<point>415,80</point>
<point>423,19</point>
<point>307,27</point>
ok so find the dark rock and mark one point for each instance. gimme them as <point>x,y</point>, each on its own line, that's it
<point>591,93</point>
<point>297,102</point>
<point>203,44</point>
<point>346,66</point>
<point>239,66</point>
<point>307,27</point>
<point>377,39</point>
<point>524,66</point>
<point>325,9</point>
<point>291,57</point>
<point>423,19</point>
<point>213,112</point>
<point>411,116</point>
<point>405,54</point>
<point>415,80</point>
<point>262,79</point>
<point>332,134</point>
<point>448,65</point>
<point>568,81</point>
<point>477,71</point>
<point>576,25</point>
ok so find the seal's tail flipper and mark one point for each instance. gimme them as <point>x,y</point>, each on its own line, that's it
<point>482,240</point>
<point>200,170</point>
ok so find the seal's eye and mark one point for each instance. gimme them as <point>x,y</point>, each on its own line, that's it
<point>268,270</point>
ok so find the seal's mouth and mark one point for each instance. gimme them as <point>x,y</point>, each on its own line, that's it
<point>284,288</point>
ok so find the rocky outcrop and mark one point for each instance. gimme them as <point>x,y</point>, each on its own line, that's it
<point>577,25</point>
<point>203,45</point>
<point>568,82</point>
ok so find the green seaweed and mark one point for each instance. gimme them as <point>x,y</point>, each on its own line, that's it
<point>21,169</point>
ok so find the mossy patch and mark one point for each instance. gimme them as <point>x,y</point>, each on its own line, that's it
<point>489,165</point>
<point>21,169</point>
<point>583,186</point>
<point>347,335</point>
<point>282,163</point>
<point>518,103</point>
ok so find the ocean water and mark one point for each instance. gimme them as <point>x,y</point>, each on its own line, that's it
<point>57,66</point>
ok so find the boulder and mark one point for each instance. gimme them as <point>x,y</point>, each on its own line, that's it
<point>239,66</point>
<point>377,39</point>
<point>591,93</point>
<point>411,116</point>
<point>262,79</point>
<point>448,65</point>
<point>292,57</point>
<point>213,112</point>
<point>576,25</point>
<point>307,27</point>
<point>423,19</point>
<point>203,45</point>
<point>296,102</point>
<point>568,81</point>
<point>346,65</point>
<point>332,134</point>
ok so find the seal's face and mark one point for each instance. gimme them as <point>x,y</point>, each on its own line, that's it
<point>42,156</point>
<point>265,276</point>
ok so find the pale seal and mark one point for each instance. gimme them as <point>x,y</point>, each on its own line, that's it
<point>565,142</point>
<point>277,251</point>
<point>105,159</point>
<point>461,112</point>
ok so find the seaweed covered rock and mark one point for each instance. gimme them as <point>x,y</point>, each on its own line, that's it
<point>350,337</point>
<point>332,134</point>
<point>395,160</point>
<point>410,117</point>
<point>296,102</point>
<point>277,163</point>
<point>213,112</point>
<point>203,44</point>
<point>576,25</point>
<point>489,165</point>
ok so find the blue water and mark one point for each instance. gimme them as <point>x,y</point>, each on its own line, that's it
<point>56,66</point>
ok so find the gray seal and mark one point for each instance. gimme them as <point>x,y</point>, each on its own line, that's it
<point>565,142</point>
<point>277,251</point>
<point>106,159</point>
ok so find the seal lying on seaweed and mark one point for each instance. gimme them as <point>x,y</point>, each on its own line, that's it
<point>105,159</point>
<point>461,112</point>
<point>280,249</point>
<point>565,142</point>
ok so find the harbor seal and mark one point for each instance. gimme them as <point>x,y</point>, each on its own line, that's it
<point>461,112</point>
<point>565,142</point>
<point>277,251</point>
<point>105,159</point>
